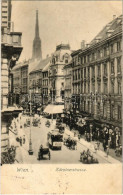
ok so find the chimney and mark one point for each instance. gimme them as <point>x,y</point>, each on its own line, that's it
<point>83,44</point>
<point>87,45</point>
<point>114,16</point>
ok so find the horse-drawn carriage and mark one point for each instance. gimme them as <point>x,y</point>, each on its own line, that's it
<point>70,143</point>
<point>36,122</point>
<point>43,152</point>
<point>87,158</point>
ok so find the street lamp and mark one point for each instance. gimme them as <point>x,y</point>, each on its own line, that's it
<point>30,140</point>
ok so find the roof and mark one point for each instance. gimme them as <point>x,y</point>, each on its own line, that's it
<point>40,65</point>
<point>46,67</point>
<point>111,28</point>
<point>20,65</point>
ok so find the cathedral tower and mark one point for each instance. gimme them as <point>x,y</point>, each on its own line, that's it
<point>37,53</point>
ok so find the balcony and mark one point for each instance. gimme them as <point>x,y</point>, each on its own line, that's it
<point>11,46</point>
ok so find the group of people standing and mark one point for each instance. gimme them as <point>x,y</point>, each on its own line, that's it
<point>22,140</point>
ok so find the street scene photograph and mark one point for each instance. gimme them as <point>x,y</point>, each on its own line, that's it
<point>61,82</point>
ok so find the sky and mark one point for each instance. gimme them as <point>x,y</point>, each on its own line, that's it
<point>61,22</point>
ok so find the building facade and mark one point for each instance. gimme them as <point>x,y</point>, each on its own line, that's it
<point>45,84</point>
<point>68,87</point>
<point>100,77</point>
<point>20,83</point>
<point>59,59</point>
<point>10,52</point>
<point>35,81</point>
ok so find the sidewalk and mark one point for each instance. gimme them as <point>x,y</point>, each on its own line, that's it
<point>90,145</point>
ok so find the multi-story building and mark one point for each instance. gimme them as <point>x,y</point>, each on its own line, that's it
<point>59,59</point>
<point>101,75</point>
<point>45,84</point>
<point>76,80</point>
<point>35,80</point>
<point>6,7</point>
<point>20,83</point>
<point>10,52</point>
<point>68,86</point>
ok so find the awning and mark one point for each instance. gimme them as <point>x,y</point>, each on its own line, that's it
<point>54,109</point>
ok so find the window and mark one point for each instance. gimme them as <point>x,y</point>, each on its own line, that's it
<point>112,87</point>
<point>119,113</point>
<point>88,87</point>
<point>118,46</point>
<point>66,61</point>
<point>93,71</point>
<point>99,87</point>
<point>4,11</point>
<point>105,70</point>
<point>119,64</point>
<point>105,88</point>
<point>105,51</point>
<point>88,71</point>
<point>112,112</point>
<point>112,67</point>
<point>84,72</point>
<point>84,59</point>
<point>98,53</point>
<point>119,88</point>
<point>84,87</point>
<point>4,16</point>
<point>112,48</point>
<point>99,72</point>
<point>92,56</point>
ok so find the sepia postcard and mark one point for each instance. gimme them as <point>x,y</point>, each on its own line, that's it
<point>61,97</point>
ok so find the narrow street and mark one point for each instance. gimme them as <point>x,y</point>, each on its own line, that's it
<point>39,136</point>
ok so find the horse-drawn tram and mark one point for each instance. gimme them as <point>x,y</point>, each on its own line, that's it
<point>55,139</point>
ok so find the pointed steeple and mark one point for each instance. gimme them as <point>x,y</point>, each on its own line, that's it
<point>36,26</point>
<point>37,53</point>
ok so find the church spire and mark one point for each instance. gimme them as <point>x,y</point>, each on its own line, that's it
<point>36,26</point>
<point>37,53</point>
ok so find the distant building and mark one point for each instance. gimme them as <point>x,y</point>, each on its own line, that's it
<point>20,83</point>
<point>45,84</point>
<point>68,87</point>
<point>35,81</point>
<point>37,52</point>
<point>59,59</point>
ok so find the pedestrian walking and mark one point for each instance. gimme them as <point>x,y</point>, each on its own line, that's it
<point>95,147</point>
<point>98,145</point>
<point>24,140</point>
<point>20,141</point>
<point>104,145</point>
<point>107,150</point>
<point>79,137</point>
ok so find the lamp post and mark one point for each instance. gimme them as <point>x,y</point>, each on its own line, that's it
<point>30,140</point>
<point>52,102</point>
